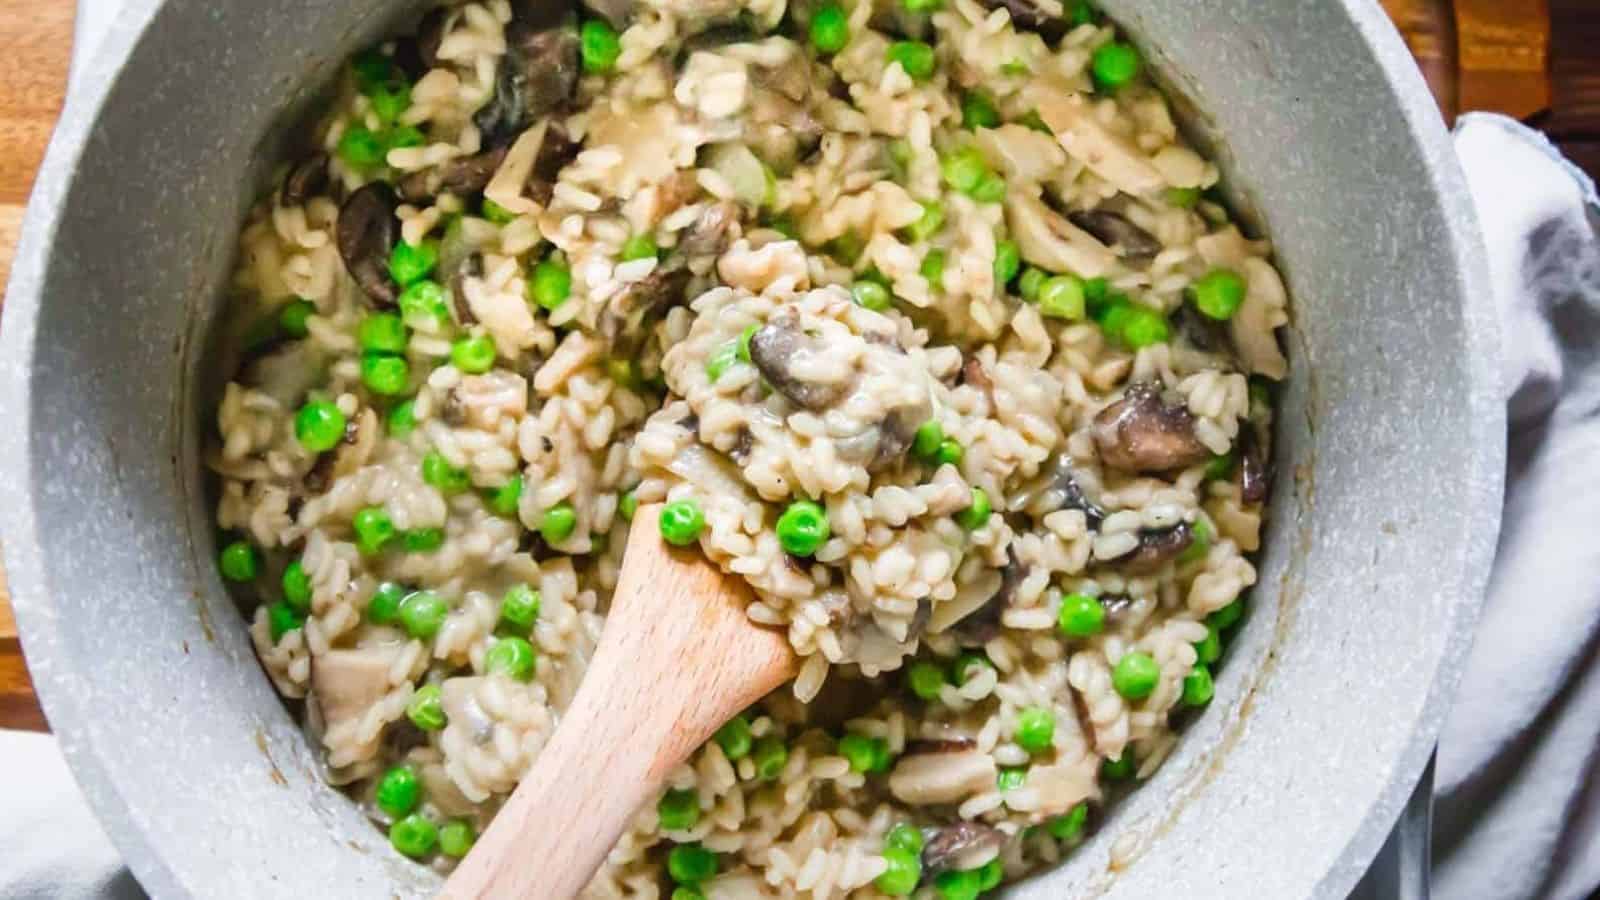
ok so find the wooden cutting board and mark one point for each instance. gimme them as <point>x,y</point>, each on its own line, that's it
<point>1486,54</point>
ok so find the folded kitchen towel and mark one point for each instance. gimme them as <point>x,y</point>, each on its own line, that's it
<point>1518,791</point>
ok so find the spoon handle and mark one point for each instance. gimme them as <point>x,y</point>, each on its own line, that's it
<point>677,659</point>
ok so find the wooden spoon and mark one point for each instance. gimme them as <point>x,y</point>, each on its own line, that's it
<point>677,660</point>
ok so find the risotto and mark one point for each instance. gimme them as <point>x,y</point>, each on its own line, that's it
<point>919,315</point>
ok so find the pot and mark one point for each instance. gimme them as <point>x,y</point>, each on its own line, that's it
<point>1382,528</point>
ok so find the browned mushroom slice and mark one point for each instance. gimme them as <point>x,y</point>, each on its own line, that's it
<point>1156,549</point>
<point>879,446</point>
<point>713,230</point>
<point>983,624</point>
<point>537,75</point>
<point>1058,488</point>
<point>430,34</point>
<point>555,151</point>
<point>471,267</point>
<point>366,235</point>
<point>924,778</point>
<point>542,14</point>
<point>307,179</point>
<point>776,348</point>
<point>962,845</point>
<point>1141,433</point>
<point>1255,473</point>
<point>628,316</point>
<point>462,176</point>
<point>1132,242</point>
<point>1203,332</point>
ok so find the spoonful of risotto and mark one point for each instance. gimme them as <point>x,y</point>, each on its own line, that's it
<point>678,658</point>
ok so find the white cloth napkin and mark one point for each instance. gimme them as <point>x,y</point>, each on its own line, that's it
<point>1518,787</point>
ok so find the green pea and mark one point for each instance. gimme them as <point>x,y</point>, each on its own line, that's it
<point>963,169</point>
<point>678,810</point>
<point>723,358</point>
<point>239,561</point>
<point>423,614</point>
<point>1114,65</point>
<point>1123,767</point>
<point>402,136</point>
<point>967,664</point>
<point>1031,119</point>
<point>423,305</point>
<point>932,267</point>
<point>1198,688</point>
<point>1030,283</point>
<point>862,752</point>
<point>504,500</point>
<point>1199,543</point>
<point>361,149</point>
<point>691,863</point>
<point>640,246</point>
<point>374,529</point>
<point>901,874</point>
<point>1144,327</point>
<point>803,528</point>
<point>990,189</point>
<point>977,515</point>
<point>1095,292</point>
<point>957,884</point>
<point>473,355</point>
<point>904,836</point>
<point>734,737</point>
<point>425,709</point>
<point>399,791</point>
<point>977,111</point>
<point>297,587</point>
<point>1069,826</point>
<point>414,836</point>
<point>1219,294</point>
<point>1114,317</point>
<point>628,505</point>
<point>1036,729</point>
<point>950,453</point>
<point>744,341</point>
<point>456,838</point>
<point>422,540</point>
<point>1209,649</point>
<point>1061,297</point>
<point>558,523</point>
<point>921,6</point>
<point>410,264</point>
<point>682,892</point>
<point>1182,198</point>
<point>384,606</point>
<point>599,46</point>
<point>990,874</point>
<point>403,419</point>
<point>784,225</point>
<point>373,70</point>
<point>770,756</point>
<point>681,522</point>
<point>1220,467</point>
<point>282,619</point>
<point>929,436</point>
<point>519,608</point>
<point>915,57</point>
<point>925,679</point>
<point>1228,616</point>
<point>1080,616</point>
<point>1007,262</point>
<point>383,374</point>
<point>830,28</point>
<point>382,333</point>
<point>624,372</point>
<point>1136,675</point>
<point>929,223</point>
<point>872,295</point>
<point>496,213</point>
<point>551,284</point>
<point>513,657</point>
<point>1081,12</point>
<point>439,474</point>
<point>292,318</point>
<point>319,426</point>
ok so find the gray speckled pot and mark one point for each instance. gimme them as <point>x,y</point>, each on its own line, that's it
<point>1382,534</point>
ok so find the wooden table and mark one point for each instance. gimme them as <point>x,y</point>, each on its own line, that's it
<point>1481,54</point>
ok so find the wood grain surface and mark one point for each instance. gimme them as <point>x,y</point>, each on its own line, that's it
<point>1534,59</point>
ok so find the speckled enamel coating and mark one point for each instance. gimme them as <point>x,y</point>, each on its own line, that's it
<point>1384,522</point>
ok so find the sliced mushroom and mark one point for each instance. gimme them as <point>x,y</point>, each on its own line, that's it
<point>463,176</point>
<point>1203,332</point>
<point>555,151</point>
<point>1027,14</point>
<point>627,317</point>
<point>962,845</point>
<point>430,34</point>
<point>459,699</point>
<point>1051,242</point>
<point>779,348</point>
<point>1020,152</point>
<point>1058,488</point>
<point>348,682</point>
<point>924,778</point>
<point>541,14</point>
<point>895,18</point>
<point>1255,473</point>
<point>780,126</point>
<point>471,267</point>
<point>1132,242</point>
<point>1107,154</point>
<point>983,624</point>
<point>537,75</point>
<point>366,234</point>
<point>1141,433</point>
<point>361,437</point>
<point>881,445</point>
<point>307,179</point>
<point>1156,549</point>
<point>713,230</point>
